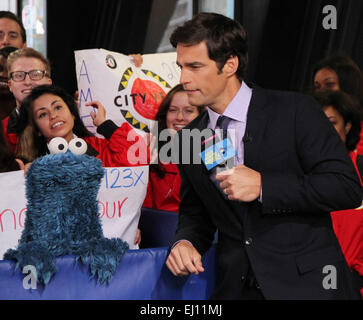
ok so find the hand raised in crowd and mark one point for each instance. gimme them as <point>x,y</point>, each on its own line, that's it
<point>184,259</point>
<point>136,59</point>
<point>98,117</point>
<point>240,183</point>
<point>23,166</point>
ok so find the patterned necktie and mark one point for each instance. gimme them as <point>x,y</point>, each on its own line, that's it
<point>222,123</point>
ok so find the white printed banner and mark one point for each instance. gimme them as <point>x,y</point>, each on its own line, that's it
<point>120,198</point>
<point>127,92</point>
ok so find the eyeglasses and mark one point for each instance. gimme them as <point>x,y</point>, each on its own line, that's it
<point>35,75</point>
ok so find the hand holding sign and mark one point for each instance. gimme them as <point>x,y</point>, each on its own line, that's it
<point>98,117</point>
<point>240,183</point>
<point>136,59</point>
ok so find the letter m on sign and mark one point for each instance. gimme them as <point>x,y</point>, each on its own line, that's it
<point>85,98</point>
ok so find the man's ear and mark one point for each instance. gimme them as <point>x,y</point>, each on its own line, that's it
<point>231,65</point>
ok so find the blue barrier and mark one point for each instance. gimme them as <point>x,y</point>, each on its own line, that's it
<point>157,227</point>
<point>141,275</point>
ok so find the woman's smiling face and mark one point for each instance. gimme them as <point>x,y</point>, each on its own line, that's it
<point>180,112</point>
<point>53,117</point>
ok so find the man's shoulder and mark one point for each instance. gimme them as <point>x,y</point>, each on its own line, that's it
<point>282,99</point>
<point>283,95</point>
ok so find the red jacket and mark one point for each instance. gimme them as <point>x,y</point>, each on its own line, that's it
<point>348,227</point>
<point>114,150</point>
<point>10,137</point>
<point>163,193</point>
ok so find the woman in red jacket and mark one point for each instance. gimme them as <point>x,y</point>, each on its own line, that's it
<point>49,112</point>
<point>174,114</point>
<point>343,112</point>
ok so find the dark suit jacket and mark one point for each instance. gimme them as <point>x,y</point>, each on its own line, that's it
<point>288,238</point>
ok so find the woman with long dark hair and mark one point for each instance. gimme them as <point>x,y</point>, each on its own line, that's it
<point>50,112</point>
<point>175,112</point>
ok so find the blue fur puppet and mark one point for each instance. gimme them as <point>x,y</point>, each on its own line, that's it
<point>62,215</point>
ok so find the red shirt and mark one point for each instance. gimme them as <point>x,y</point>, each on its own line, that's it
<point>348,227</point>
<point>163,193</point>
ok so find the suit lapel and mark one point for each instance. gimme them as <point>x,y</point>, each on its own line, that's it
<point>200,122</point>
<point>256,123</point>
<point>200,171</point>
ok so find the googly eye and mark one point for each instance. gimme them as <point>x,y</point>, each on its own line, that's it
<point>58,145</point>
<point>78,146</point>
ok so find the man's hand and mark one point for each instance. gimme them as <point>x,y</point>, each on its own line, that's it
<point>184,259</point>
<point>240,183</point>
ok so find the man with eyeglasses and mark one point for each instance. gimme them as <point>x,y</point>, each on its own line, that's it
<point>12,31</point>
<point>27,69</point>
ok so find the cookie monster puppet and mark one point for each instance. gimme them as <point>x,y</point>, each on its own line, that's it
<point>62,214</point>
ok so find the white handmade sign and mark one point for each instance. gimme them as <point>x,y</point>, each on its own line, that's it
<point>127,92</point>
<point>120,198</point>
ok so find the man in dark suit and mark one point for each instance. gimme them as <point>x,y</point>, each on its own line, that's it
<point>271,210</point>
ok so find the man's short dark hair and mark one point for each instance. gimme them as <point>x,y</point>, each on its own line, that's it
<point>12,16</point>
<point>223,36</point>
